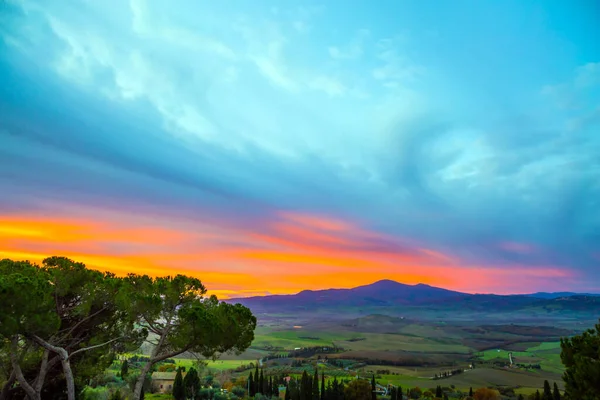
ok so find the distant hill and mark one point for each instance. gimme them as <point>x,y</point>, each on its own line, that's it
<point>396,298</point>
<point>556,295</point>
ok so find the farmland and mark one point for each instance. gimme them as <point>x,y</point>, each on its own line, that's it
<point>406,352</point>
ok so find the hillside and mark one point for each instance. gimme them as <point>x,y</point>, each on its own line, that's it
<point>398,298</point>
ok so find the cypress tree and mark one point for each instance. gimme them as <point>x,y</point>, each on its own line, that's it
<point>287,393</point>
<point>323,386</point>
<point>261,383</point>
<point>251,390</point>
<point>556,394</point>
<point>521,397</point>
<point>399,394</point>
<point>537,396</point>
<point>547,395</point>
<point>304,389</point>
<point>335,389</point>
<point>178,388</point>
<point>470,392</point>
<point>438,391</point>
<point>124,369</point>
<point>315,386</point>
<point>256,380</point>
<point>373,388</point>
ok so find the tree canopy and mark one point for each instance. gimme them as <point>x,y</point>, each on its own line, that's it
<point>581,358</point>
<point>60,317</point>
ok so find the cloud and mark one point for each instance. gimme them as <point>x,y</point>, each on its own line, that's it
<point>253,129</point>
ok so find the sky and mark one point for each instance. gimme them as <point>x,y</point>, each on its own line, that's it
<point>274,146</point>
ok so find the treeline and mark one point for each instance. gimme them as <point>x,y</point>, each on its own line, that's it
<point>61,324</point>
<point>448,374</point>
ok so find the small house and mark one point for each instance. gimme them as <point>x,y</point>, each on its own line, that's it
<point>162,382</point>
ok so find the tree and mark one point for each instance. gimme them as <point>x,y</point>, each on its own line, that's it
<point>124,369</point>
<point>62,310</point>
<point>438,391</point>
<point>178,388</point>
<point>358,389</point>
<point>471,392</point>
<point>191,383</point>
<point>175,311</point>
<point>373,388</point>
<point>261,383</point>
<point>486,394</point>
<point>315,386</point>
<point>322,386</point>
<point>251,391</point>
<point>547,395</point>
<point>581,357</point>
<point>556,394</point>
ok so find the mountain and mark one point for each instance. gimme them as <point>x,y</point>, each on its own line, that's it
<point>397,298</point>
<point>556,295</point>
<point>381,293</point>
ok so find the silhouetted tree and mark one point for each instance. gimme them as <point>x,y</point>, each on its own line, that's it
<point>547,395</point>
<point>556,394</point>
<point>251,387</point>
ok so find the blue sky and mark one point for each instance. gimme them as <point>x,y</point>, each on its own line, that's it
<point>469,128</point>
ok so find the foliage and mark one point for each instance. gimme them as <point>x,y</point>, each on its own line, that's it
<point>191,383</point>
<point>178,388</point>
<point>581,357</point>
<point>486,394</point>
<point>174,309</point>
<point>124,369</point>
<point>57,312</point>
<point>358,389</point>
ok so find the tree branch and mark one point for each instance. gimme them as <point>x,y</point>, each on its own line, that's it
<point>17,369</point>
<point>94,347</point>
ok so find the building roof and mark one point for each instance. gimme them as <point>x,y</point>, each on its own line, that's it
<point>165,375</point>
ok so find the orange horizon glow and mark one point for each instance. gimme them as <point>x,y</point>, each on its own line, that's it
<point>289,253</point>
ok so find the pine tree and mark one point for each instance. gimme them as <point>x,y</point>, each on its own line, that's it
<point>373,388</point>
<point>178,388</point>
<point>556,394</point>
<point>251,386</point>
<point>124,369</point>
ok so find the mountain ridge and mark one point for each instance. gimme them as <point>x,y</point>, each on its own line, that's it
<point>394,295</point>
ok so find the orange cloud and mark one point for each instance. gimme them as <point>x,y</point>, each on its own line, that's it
<point>285,254</point>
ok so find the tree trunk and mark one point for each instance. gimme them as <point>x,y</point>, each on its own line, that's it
<point>29,390</point>
<point>137,392</point>
<point>6,388</point>
<point>69,378</point>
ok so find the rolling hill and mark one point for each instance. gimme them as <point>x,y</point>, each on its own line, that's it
<point>399,298</point>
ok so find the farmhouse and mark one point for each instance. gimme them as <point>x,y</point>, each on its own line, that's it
<point>162,382</point>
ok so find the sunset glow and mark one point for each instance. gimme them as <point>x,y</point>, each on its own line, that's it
<point>280,147</point>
